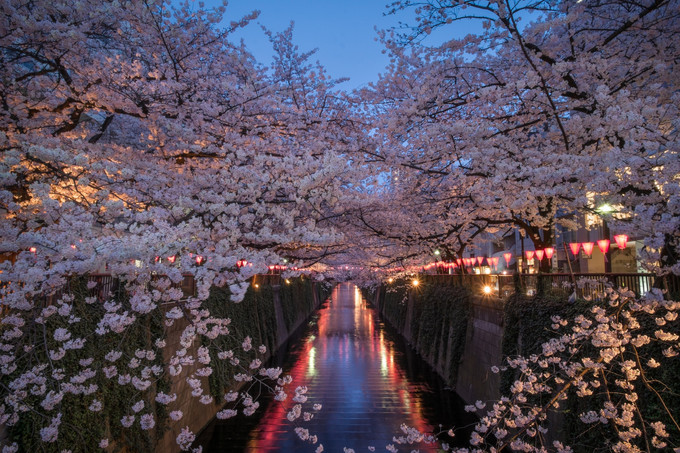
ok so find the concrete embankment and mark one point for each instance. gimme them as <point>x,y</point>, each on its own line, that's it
<point>458,333</point>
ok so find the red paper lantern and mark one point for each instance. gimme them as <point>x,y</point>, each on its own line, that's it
<point>588,248</point>
<point>549,252</point>
<point>172,258</point>
<point>603,245</point>
<point>530,255</point>
<point>508,257</point>
<point>621,240</point>
<point>574,246</point>
<point>459,261</point>
<point>199,259</point>
<point>480,260</point>
<point>540,254</point>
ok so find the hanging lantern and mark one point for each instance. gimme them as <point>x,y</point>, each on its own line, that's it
<point>588,248</point>
<point>549,252</point>
<point>540,254</point>
<point>621,240</point>
<point>172,258</point>
<point>603,245</point>
<point>508,257</point>
<point>480,260</point>
<point>199,259</point>
<point>459,261</point>
<point>33,250</point>
<point>530,255</point>
<point>574,246</point>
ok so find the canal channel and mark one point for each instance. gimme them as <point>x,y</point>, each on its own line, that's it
<point>367,379</point>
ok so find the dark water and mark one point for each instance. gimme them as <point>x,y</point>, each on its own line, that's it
<point>368,381</point>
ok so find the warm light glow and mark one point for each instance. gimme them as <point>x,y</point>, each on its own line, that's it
<point>287,282</point>
<point>437,252</point>
<point>480,260</point>
<point>487,289</point>
<point>530,254</point>
<point>257,285</point>
<point>603,245</point>
<point>415,282</point>
<point>33,250</point>
<point>508,257</point>
<point>199,259</point>
<point>390,280</point>
<point>621,240</point>
<point>574,246</point>
<point>605,209</point>
<point>172,258</point>
<point>549,252</point>
<point>540,254</point>
<point>588,248</point>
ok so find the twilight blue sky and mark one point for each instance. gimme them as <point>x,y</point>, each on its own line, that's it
<point>342,30</point>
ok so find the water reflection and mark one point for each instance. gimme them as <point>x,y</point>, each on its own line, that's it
<point>365,378</point>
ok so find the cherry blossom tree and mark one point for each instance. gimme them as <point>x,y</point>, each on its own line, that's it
<point>137,139</point>
<point>552,108</point>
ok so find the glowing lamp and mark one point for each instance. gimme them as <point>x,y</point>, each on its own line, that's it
<point>621,240</point>
<point>508,257</point>
<point>33,250</point>
<point>459,261</point>
<point>487,290</point>
<point>199,259</point>
<point>574,246</point>
<point>530,255</point>
<point>172,258</point>
<point>549,252</point>
<point>480,260</point>
<point>415,282</point>
<point>390,280</point>
<point>603,245</point>
<point>540,254</point>
<point>588,248</point>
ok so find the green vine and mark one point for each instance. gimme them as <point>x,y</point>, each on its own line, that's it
<point>82,430</point>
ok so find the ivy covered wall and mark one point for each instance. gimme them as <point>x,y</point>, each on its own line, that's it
<point>86,428</point>
<point>528,326</point>
<point>254,316</point>
<point>433,317</point>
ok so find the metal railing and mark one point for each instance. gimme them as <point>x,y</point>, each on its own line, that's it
<point>586,286</point>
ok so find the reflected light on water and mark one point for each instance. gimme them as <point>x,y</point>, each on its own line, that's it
<point>348,364</point>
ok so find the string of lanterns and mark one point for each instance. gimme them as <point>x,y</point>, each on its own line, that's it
<point>540,254</point>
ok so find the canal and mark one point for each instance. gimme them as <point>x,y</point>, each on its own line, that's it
<point>366,378</point>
